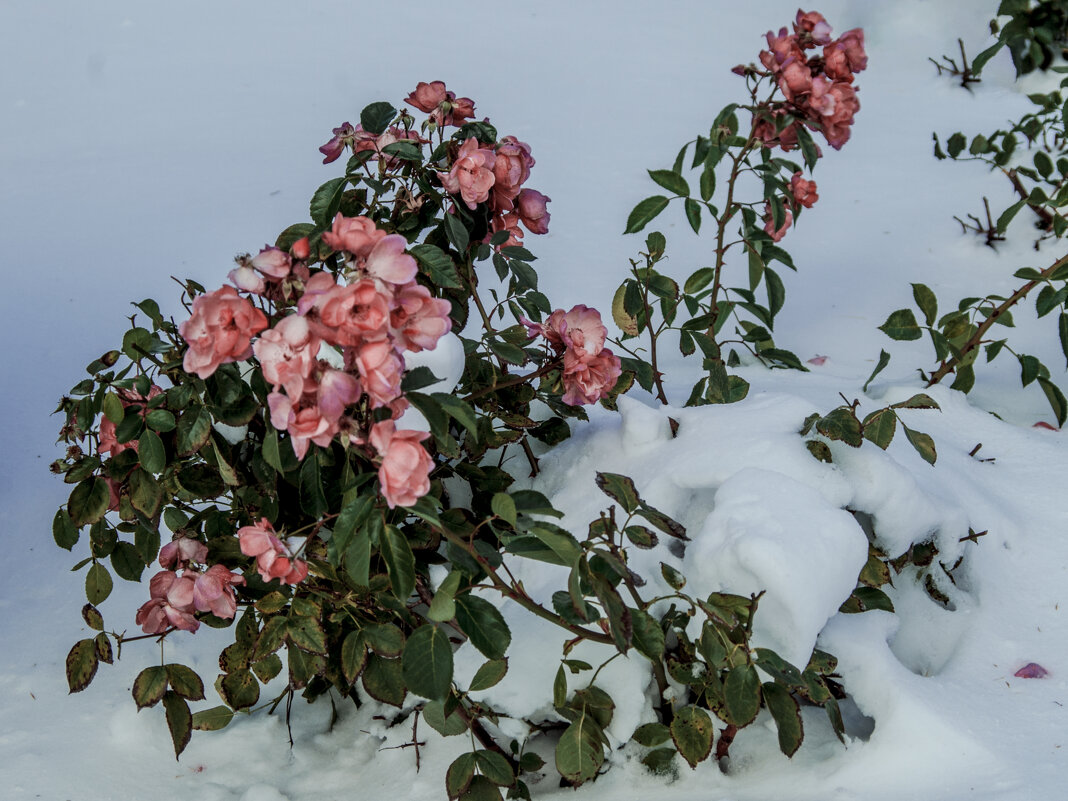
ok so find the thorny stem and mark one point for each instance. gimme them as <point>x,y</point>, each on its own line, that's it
<point>725,217</point>
<point>950,365</point>
<point>1044,214</point>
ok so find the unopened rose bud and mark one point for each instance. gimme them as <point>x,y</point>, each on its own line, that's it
<point>300,249</point>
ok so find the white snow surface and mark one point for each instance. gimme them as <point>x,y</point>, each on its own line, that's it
<point>146,139</point>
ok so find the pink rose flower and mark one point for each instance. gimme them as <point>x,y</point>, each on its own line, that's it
<point>852,41</point>
<point>381,369</point>
<point>804,192</point>
<point>836,126</point>
<point>427,96</point>
<point>245,279</point>
<point>337,391</point>
<point>836,63</point>
<point>579,330</point>
<point>316,289</point>
<point>301,249</point>
<point>388,262</point>
<point>273,559</point>
<point>213,591</point>
<point>108,443</point>
<point>178,553</point>
<point>418,320</point>
<point>288,354</point>
<point>532,211</point>
<point>587,380</point>
<point>305,422</point>
<point>506,222</point>
<point>273,263</point>
<point>769,223</point>
<point>814,25</point>
<point>405,471</point>
<point>333,149</point>
<point>764,130</point>
<point>220,330</point>
<point>354,314</point>
<point>781,48</point>
<point>795,79</point>
<point>357,235</point>
<point>171,604</point>
<point>510,170</point>
<point>471,175</point>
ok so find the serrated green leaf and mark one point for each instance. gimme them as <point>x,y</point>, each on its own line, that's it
<point>384,680</point>
<point>648,636</point>
<point>353,655</point>
<point>484,626</point>
<point>494,767</point>
<point>926,301</point>
<point>671,181</point>
<point>692,732</point>
<point>621,489</point>
<point>923,444</point>
<point>741,694</point>
<point>427,662</point>
<point>579,752</point>
<point>376,117</point>
<point>185,682</point>
<point>842,425</point>
<point>88,502</point>
<point>82,662</point>
<point>489,674</point>
<point>693,214</point>
<point>459,775</point>
<point>901,325</point>
<point>787,716</point>
<point>400,562</point>
<point>645,212</point>
<point>880,427</point>
<point>98,584</point>
<point>1056,399</point>
<point>212,719</point>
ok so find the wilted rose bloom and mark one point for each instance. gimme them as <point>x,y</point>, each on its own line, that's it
<point>357,235</point>
<point>587,380</point>
<point>532,211</point>
<point>813,24</point>
<point>405,471</point>
<point>273,559</point>
<point>769,223</point>
<point>510,170</point>
<point>333,149</point>
<point>353,314</point>
<point>381,369</point>
<point>388,262</point>
<point>178,553</point>
<point>804,192</point>
<point>822,99</point>
<point>418,320</point>
<point>852,41</point>
<point>273,262</point>
<point>213,591</point>
<point>795,79</point>
<point>427,96</point>
<point>506,222</point>
<point>471,175</point>
<point>463,108</point>
<point>171,604</point>
<point>781,48</point>
<point>220,330</point>
<point>764,130</point>
<point>305,422</point>
<point>836,62</point>
<point>287,355</point>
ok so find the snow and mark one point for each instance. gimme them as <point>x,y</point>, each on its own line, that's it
<point>145,140</point>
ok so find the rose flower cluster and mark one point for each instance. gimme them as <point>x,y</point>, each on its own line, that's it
<point>590,370</point>
<point>181,589</point>
<point>802,193</point>
<point>818,87</point>
<point>371,320</point>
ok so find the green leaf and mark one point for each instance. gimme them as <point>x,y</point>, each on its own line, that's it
<point>457,232</point>
<point>439,266</point>
<point>708,183</point>
<point>194,428</point>
<point>212,719</point>
<point>82,662</point>
<point>179,721</point>
<point>741,694</point>
<point>1006,216</point>
<point>98,584</point>
<point>560,687</point>
<point>92,617</point>
<point>1056,399</point>
<point>400,562</point>
<point>353,655</point>
<point>841,424</point>
<point>443,606</point>
<point>404,150</point>
<point>489,675</point>
<point>671,181</point>
<point>692,732</point>
<point>693,214</point>
<point>645,212</point>
<point>648,636</point>
<point>923,444</point>
<point>88,502</point>
<point>376,117</point>
<point>579,752</point>
<point>1062,331</point>
<point>926,301</point>
<point>699,280</point>
<point>880,427</point>
<point>127,561</point>
<point>307,633</point>
<point>239,689</point>
<point>112,408</point>
<point>150,452</point>
<point>921,400</point>
<point>385,639</point>
<point>651,734</point>
<point>495,768</point>
<point>673,577</point>
<point>484,626</point>
<point>787,716</point>
<point>384,681</point>
<point>63,530</point>
<point>146,494</point>
<point>481,789</point>
<point>458,776</point>
<point>185,682</point>
<point>621,489</point>
<point>507,351</point>
<point>451,726</point>
<point>327,200</point>
<point>427,662</point>
<point>884,359</point>
<point>312,497</point>
<point>901,325</point>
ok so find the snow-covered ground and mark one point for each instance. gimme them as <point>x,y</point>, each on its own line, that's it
<point>144,140</point>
